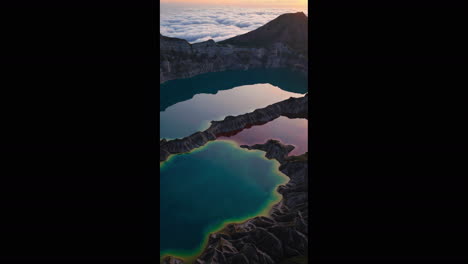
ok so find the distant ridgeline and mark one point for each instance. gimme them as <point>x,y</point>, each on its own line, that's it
<point>281,43</point>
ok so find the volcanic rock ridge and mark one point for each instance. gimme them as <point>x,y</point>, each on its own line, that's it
<point>267,240</point>
<point>281,235</point>
<point>281,43</point>
<point>292,108</point>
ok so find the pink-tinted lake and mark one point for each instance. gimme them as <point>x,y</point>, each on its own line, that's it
<point>288,131</point>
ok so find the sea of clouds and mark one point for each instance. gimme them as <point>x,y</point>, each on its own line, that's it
<point>196,24</point>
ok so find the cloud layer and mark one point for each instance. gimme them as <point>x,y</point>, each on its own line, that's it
<point>218,23</point>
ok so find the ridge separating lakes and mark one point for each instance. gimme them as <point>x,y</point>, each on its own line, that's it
<point>221,192</point>
<point>189,105</point>
<point>289,131</point>
<point>181,91</point>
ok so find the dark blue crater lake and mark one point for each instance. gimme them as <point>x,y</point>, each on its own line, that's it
<point>213,185</point>
<point>188,105</point>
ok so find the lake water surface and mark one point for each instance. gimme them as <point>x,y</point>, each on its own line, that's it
<point>215,184</point>
<point>287,130</point>
<point>220,182</point>
<point>189,105</point>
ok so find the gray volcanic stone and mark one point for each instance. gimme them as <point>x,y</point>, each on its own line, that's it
<point>289,29</point>
<point>172,260</point>
<point>268,239</point>
<point>273,148</point>
<point>281,43</point>
<point>292,107</point>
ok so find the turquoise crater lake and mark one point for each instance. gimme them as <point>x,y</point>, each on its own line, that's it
<point>220,183</point>
<point>202,190</point>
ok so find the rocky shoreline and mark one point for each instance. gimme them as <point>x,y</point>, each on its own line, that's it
<point>272,239</point>
<point>281,43</point>
<point>292,108</point>
<point>281,235</point>
<point>180,59</point>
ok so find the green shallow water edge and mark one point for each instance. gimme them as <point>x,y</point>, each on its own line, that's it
<point>192,255</point>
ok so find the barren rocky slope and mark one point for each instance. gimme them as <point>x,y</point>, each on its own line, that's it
<point>271,239</point>
<point>278,44</point>
<point>292,107</point>
<point>281,43</point>
<point>267,240</point>
<point>287,28</point>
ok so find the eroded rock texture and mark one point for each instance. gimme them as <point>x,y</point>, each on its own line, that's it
<point>268,240</point>
<point>292,107</point>
<point>261,239</point>
<point>280,43</point>
<point>172,260</point>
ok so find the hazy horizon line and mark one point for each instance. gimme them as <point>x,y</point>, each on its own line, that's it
<point>200,23</point>
<point>235,4</point>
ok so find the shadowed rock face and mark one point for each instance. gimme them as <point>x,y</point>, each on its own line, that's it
<point>278,44</point>
<point>273,149</point>
<point>289,29</point>
<point>292,108</point>
<point>261,239</point>
<point>281,43</point>
<point>268,239</point>
<point>172,260</point>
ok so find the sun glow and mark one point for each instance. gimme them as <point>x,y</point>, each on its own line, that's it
<point>301,4</point>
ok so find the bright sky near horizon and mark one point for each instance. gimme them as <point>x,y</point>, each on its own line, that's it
<point>301,4</point>
<point>196,23</point>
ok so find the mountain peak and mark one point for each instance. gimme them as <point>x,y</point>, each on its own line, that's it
<point>290,29</point>
<point>297,14</point>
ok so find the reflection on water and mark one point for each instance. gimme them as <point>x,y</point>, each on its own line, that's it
<point>188,105</point>
<point>221,182</point>
<point>176,91</point>
<point>288,131</point>
<point>203,189</point>
<point>188,117</point>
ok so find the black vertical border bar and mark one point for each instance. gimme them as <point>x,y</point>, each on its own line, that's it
<point>155,112</point>
<point>79,100</point>
<point>388,150</point>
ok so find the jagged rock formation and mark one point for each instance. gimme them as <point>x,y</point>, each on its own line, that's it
<point>268,240</point>
<point>273,149</point>
<point>292,108</point>
<point>172,260</point>
<point>263,240</point>
<point>280,43</point>
<point>186,144</point>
